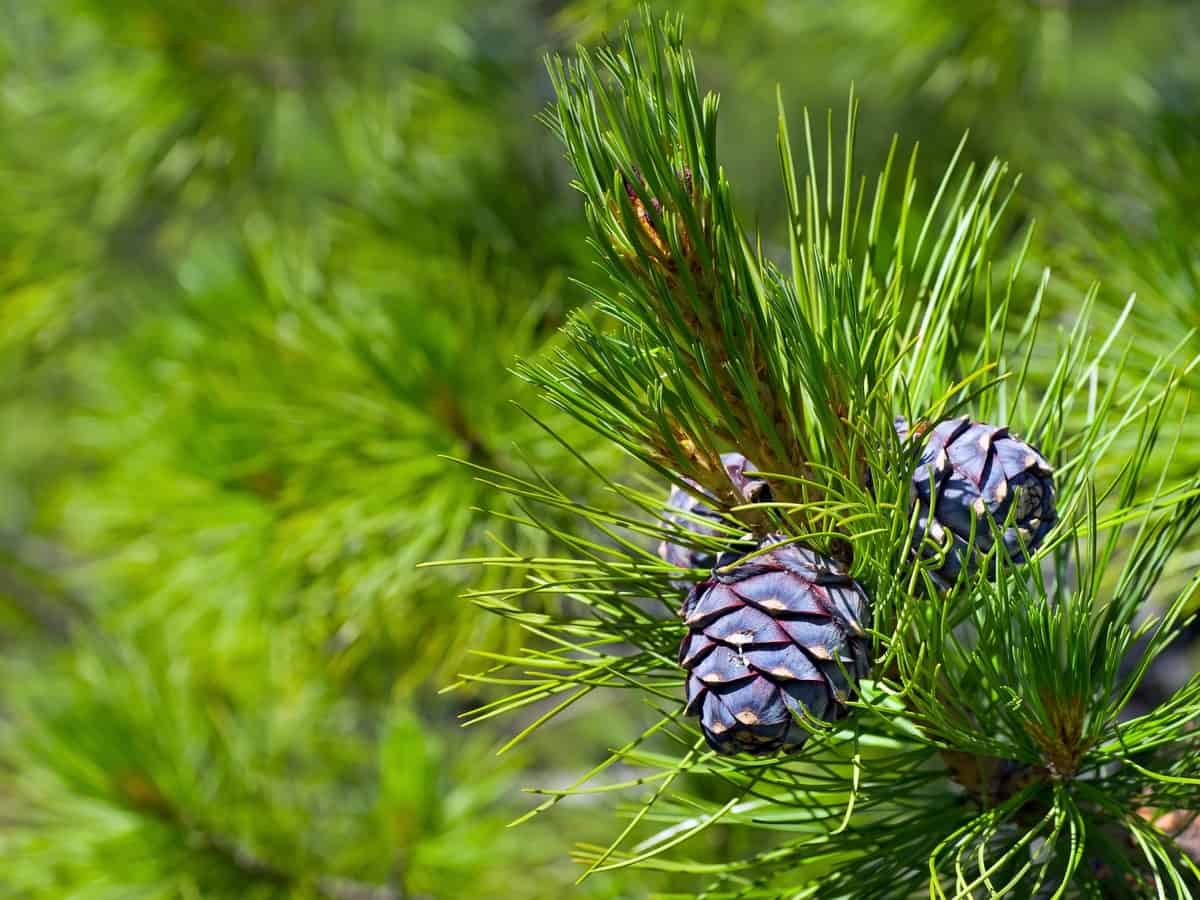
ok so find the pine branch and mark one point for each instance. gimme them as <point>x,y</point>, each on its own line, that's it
<point>30,579</point>
<point>1009,671</point>
<point>145,796</point>
<point>331,887</point>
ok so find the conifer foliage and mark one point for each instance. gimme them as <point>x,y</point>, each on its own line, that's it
<point>257,283</point>
<point>750,581</point>
<point>921,635</point>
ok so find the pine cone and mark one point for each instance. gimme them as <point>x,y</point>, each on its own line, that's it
<point>969,470</point>
<point>776,637</point>
<point>753,490</point>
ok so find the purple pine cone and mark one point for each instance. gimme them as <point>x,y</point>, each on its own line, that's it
<point>970,472</point>
<point>697,515</point>
<point>778,637</point>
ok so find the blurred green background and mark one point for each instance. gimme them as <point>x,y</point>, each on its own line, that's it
<point>265,266</point>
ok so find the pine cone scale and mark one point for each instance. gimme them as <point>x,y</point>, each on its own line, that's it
<point>772,641</point>
<point>712,605</point>
<point>747,626</point>
<point>973,477</point>
<point>766,592</point>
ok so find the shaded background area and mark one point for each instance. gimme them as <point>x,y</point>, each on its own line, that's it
<point>265,267</point>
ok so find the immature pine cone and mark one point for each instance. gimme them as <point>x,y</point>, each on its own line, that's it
<point>776,637</point>
<point>970,472</point>
<point>752,490</point>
